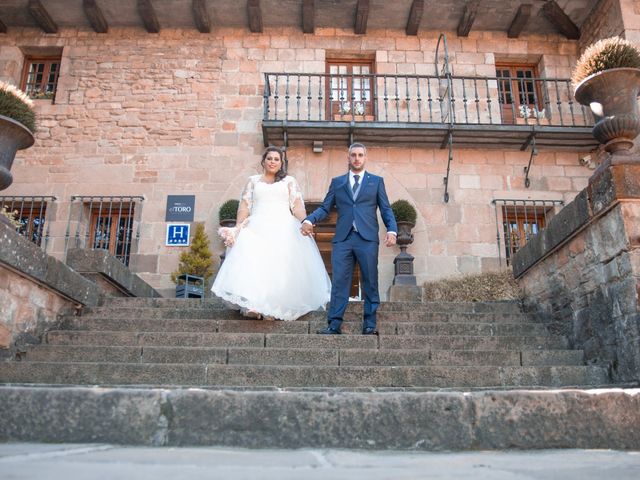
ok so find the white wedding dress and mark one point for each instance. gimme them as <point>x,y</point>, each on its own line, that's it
<point>272,268</point>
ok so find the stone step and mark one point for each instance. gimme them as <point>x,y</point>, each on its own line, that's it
<point>276,356</point>
<point>299,376</point>
<point>453,307</point>
<point>264,326</point>
<point>392,316</point>
<point>276,340</point>
<point>294,419</point>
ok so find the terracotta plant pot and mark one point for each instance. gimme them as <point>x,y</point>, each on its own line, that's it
<point>612,96</point>
<point>13,137</point>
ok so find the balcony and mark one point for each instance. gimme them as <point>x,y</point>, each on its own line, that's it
<point>427,111</point>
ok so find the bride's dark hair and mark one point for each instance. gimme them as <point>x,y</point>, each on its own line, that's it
<point>280,174</point>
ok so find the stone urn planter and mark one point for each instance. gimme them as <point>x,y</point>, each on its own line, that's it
<point>612,96</point>
<point>14,136</point>
<point>406,216</point>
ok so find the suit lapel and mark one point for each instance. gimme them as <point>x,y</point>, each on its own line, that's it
<point>363,184</point>
<point>347,186</point>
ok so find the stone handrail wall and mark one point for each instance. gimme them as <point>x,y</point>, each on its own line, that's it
<point>34,289</point>
<point>581,273</point>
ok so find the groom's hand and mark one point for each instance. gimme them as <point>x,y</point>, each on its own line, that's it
<point>307,229</point>
<point>390,241</point>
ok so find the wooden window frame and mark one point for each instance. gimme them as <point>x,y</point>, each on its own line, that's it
<point>527,223</point>
<point>41,89</point>
<point>511,109</point>
<point>116,213</point>
<point>333,104</point>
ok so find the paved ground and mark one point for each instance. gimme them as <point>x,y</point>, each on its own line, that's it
<point>58,462</point>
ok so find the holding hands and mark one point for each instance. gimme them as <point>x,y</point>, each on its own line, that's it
<point>307,229</point>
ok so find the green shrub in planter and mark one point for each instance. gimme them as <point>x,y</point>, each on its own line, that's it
<point>404,212</point>
<point>228,210</point>
<point>17,106</point>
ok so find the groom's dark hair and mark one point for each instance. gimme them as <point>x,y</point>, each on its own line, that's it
<point>357,145</point>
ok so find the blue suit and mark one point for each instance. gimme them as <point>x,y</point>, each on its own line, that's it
<point>356,239</point>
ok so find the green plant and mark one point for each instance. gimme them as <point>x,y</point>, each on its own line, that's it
<point>228,210</point>
<point>17,106</point>
<point>198,260</point>
<point>404,211</point>
<point>11,216</point>
<point>606,54</point>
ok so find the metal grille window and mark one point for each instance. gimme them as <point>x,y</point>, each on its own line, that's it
<point>519,220</point>
<point>106,222</point>
<point>40,78</point>
<point>31,212</point>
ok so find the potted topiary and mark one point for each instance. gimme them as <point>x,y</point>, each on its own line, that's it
<point>17,124</point>
<point>195,267</point>
<point>406,217</point>
<point>228,213</point>
<point>607,79</point>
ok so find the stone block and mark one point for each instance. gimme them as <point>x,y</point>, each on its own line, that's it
<point>405,293</point>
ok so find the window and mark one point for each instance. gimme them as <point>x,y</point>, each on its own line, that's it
<point>520,95</point>
<point>31,213</point>
<point>350,88</point>
<point>106,223</point>
<point>517,221</point>
<point>40,78</point>
<point>111,228</point>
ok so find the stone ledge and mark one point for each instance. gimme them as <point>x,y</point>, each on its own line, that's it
<point>440,420</point>
<point>100,264</point>
<point>24,257</point>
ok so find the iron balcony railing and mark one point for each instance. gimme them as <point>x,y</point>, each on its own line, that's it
<point>31,213</point>
<point>436,99</point>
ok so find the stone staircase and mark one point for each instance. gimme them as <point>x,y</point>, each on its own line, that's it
<point>439,377</point>
<point>171,342</point>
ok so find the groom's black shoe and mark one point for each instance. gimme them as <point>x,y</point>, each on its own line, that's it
<point>369,331</point>
<point>329,331</point>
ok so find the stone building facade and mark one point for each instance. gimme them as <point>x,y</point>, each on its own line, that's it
<point>181,112</point>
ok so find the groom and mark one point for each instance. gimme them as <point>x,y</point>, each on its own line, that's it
<point>357,196</point>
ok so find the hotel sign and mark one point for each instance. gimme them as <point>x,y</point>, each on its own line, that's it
<point>180,208</point>
<point>178,235</point>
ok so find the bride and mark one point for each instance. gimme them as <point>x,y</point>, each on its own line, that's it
<point>271,269</point>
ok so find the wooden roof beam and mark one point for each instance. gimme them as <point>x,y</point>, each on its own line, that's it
<point>560,20</point>
<point>42,17</point>
<point>519,21</point>
<point>362,17</point>
<point>468,17</point>
<point>413,24</point>
<point>148,15</point>
<point>3,27</point>
<point>95,16</point>
<point>201,16</point>
<point>255,16</point>
<point>309,16</point>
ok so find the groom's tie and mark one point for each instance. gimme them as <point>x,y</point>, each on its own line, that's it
<point>356,178</point>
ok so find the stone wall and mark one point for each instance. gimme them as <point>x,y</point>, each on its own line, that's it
<point>34,289</point>
<point>179,112</point>
<point>582,273</point>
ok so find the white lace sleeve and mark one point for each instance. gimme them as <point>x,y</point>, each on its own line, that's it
<point>296,202</point>
<point>246,199</point>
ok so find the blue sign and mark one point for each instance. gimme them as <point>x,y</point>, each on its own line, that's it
<point>178,234</point>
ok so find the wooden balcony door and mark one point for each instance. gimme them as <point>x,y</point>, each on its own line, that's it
<point>324,235</point>
<point>350,90</point>
<point>517,91</point>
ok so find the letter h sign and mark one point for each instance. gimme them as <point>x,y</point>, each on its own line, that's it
<point>178,234</point>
